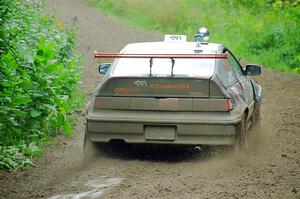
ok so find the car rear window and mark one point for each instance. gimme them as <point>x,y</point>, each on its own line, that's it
<point>182,67</point>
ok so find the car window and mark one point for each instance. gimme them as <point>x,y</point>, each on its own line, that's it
<point>225,73</point>
<point>234,65</point>
<point>185,67</point>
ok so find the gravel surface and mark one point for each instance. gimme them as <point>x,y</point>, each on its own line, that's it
<point>268,169</point>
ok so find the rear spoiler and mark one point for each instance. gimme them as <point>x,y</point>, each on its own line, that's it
<point>160,56</point>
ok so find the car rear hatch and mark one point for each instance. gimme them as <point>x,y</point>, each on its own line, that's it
<point>162,93</point>
<point>163,82</point>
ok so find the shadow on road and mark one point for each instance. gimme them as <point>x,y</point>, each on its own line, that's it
<point>160,153</point>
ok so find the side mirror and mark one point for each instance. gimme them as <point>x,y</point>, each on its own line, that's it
<point>103,68</point>
<point>252,70</point>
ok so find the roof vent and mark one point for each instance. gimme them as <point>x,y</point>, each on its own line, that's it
<point>202,35</point>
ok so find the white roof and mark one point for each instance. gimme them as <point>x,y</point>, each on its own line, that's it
<point>162,67</point>
<point>169,47</point>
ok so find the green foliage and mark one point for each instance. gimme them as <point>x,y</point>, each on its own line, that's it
<point>12,158</point>
<point>39,72</point>
<point>15,157</point>
<point>261,31</point>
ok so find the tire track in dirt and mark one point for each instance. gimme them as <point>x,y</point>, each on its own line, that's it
<point>268,169</point>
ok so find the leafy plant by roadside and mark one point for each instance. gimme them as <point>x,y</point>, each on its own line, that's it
<point>39,74</point>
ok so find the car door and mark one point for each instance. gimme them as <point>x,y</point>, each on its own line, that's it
<point>244,81</point>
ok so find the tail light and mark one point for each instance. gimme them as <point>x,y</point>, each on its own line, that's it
<point>228,104</point>
<point>97,102</point>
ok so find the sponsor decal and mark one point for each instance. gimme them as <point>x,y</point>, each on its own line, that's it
<point>179,86</point>
<point>175,38</point>
<point>127,90</point>
<point>140,84</point>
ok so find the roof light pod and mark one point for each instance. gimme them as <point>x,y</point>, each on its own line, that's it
<point>202,35</point>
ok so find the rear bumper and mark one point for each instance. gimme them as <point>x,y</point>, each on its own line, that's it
<point>213,128</point>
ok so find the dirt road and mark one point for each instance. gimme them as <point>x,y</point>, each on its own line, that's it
<point>270,168</point>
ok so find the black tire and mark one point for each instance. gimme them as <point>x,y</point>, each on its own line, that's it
<point>256,115</point>
<point>256,120</point>
<point>242,134</point>
<point>89,147</point>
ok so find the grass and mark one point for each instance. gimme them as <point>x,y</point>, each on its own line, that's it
<point>266,32</point>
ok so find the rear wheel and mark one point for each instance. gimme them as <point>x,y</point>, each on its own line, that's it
<point>257,118</point>
<point>242,134</point>
<point>89,147</point>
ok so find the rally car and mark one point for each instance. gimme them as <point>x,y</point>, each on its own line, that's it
<point>174,92</point>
